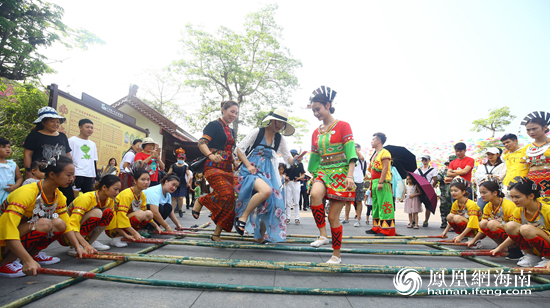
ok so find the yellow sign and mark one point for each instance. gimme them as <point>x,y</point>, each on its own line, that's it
<point>111,137</point>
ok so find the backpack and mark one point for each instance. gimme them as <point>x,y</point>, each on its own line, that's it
<point>258,140</point>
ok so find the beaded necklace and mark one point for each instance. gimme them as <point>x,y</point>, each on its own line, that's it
<point>43,209</point>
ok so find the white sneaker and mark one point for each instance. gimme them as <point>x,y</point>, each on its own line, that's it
<point>320,241</point>
<point>477,245</point>
<point>12,270</point>
<point>72,251</point>
<point>542,262</point>
<point>334,260</point>
<point>357,224</point>
<point>117,242</point>
<point>43,259</point>
<point>529,260</point>
<point>99,246</point>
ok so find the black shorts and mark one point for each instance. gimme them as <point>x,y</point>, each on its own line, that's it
<point>83,184</point>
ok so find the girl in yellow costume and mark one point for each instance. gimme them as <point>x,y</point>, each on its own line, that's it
<point>496,213</point>
<point>131,211</point>
<point>34,216</point>
<point>465,213</point>
<point>530,225</point>
<point>92,212</point>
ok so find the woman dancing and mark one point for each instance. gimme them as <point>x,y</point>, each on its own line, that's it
<point>259,183</point>
<point>332,159</point>
<point>217,144</point>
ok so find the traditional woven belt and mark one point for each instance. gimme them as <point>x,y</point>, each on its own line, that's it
<point>333,158</point>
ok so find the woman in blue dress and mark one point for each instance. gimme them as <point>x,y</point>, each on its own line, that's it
<point>260,207</point>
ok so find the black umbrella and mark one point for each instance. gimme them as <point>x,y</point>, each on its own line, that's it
<point>402,159</point>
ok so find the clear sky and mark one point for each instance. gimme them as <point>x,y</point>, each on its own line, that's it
<point>420,71</point>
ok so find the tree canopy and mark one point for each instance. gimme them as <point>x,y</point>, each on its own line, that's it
<point>251,68</point>
<point>496,122</point>
<point>19,104</point>
<point>26,25</point>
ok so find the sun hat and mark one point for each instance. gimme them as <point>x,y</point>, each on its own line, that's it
<point>293,151</point>
<point>180,152</point>
<point>280,114</point>
<point>48,112</point>
<point>147,141</point>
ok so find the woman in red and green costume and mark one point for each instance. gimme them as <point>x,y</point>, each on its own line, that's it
<point>333,161</point>
<point>383,209</point>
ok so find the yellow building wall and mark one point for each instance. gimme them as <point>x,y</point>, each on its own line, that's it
<point>143,122</point>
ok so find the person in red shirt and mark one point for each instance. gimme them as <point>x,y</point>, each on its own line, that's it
<point>151,156</point>
<point>462,166</point>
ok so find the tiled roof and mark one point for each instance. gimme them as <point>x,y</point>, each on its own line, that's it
<point>155,116</point>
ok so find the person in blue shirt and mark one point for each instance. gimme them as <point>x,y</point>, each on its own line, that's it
<point>159,201</point>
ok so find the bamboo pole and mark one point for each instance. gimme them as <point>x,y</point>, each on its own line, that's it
<point>266,289</point>
<point>321,249</point>
<point>304,266</point>
<point>62,285</point>
<point>357,237</point>
<point>307,241</point>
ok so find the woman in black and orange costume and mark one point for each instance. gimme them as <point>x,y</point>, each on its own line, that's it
<point>217,143</point>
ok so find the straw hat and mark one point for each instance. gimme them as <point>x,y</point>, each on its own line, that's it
<point>147,141</point>
<point>280,114</point>
<point>48,112</point>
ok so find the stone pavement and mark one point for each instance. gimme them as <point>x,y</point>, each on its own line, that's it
<point>95,293</point>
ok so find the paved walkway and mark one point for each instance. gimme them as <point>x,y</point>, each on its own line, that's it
<point>94,293</point>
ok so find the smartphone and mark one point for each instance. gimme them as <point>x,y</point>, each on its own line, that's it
<point>301,155</point>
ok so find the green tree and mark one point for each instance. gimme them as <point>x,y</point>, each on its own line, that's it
<point>496,122</point>
<point>26,26</point>
<point>252,68</point>
<point>19,104</point>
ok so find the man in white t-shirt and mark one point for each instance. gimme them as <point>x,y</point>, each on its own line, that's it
<point>358,176</point>
<point>430,174</point>
<point>84,157</point>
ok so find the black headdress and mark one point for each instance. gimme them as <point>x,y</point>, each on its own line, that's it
<point>326,91</point>
<point>537,114</point>
<point>461,181</point>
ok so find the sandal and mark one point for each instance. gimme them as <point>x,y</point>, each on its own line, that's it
<point>409,226</point>
<point>196,214</point>
<point>238,225</point>
<point>288,220</point>
<point>297,221</point>
<point>212,238</point>
<point>415,227</point>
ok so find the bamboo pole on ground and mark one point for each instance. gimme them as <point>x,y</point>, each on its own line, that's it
<point>357,237</point>
<point>307,241</point>
<point>303,266</point>
<point>313,249</point>
<point>273,290</point>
